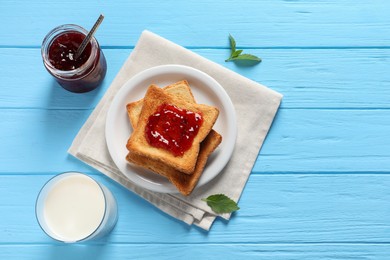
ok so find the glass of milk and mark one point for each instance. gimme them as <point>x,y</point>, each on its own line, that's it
<point>73,207</point>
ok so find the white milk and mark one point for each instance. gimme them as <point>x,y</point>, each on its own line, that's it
<point>74,207</point>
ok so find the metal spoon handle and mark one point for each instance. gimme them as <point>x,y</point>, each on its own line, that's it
<point>89,36</point>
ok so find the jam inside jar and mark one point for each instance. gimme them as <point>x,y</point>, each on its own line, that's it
<point>76,75</point>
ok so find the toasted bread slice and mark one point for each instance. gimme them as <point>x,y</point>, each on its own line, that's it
<point>138,144</point>
<point>180,89</point>
<point>185,183</point>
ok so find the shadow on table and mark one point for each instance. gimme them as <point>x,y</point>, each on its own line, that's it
<point>80,251</point>
<point>245,63</point>
<point>58,97</point>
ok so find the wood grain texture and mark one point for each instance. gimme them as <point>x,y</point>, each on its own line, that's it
<point>320,186</point>
<point>202,251</point>
<point>277,209</point>
<point>279,23</point>
<point>300,141</point>
<point>327,141</point>
<point>307,78</point>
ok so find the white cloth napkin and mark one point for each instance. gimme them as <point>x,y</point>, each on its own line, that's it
<point>255,106</point>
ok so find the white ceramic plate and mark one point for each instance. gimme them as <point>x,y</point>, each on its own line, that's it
<point>206,90</point>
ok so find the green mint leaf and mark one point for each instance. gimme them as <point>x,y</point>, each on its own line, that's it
<point>236,54</point>
<point>246,57</point>
<point>221,203</point>
<point>232,44</point>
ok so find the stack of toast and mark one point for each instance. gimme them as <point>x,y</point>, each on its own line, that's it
<point>184,170</point>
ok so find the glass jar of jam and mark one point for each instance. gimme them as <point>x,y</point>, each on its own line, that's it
<point>58,52</point>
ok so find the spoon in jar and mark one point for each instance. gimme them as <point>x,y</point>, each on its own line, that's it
<point>88,37</point>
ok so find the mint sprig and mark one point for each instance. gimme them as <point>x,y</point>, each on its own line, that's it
<point>221,203</point>
<point>236,54</point>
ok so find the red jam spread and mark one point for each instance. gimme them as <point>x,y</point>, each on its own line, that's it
<point>173,128</point>
<point>63,50</point>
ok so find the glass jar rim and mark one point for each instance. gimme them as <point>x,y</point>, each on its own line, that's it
<point>68,74</point>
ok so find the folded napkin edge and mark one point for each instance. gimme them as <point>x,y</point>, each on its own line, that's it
<point>274,96</point>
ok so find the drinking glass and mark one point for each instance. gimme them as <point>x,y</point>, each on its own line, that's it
<point>73,207</point>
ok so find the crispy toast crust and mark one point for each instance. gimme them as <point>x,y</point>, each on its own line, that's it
<point>138,144</point>
<point>185,183</point>
<point>180,89</point>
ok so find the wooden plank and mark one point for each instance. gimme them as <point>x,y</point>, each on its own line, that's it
<point>281,209</point>
<point>300,141</point>
<point>343,141</point>
<point>36,141</point>
<point>307,78</point>
<point>327,141</point>
<point>328,58</point>
<point>254,23</point>
<point>202,251</point>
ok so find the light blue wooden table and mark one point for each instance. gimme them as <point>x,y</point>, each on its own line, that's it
<point>320,188</point>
